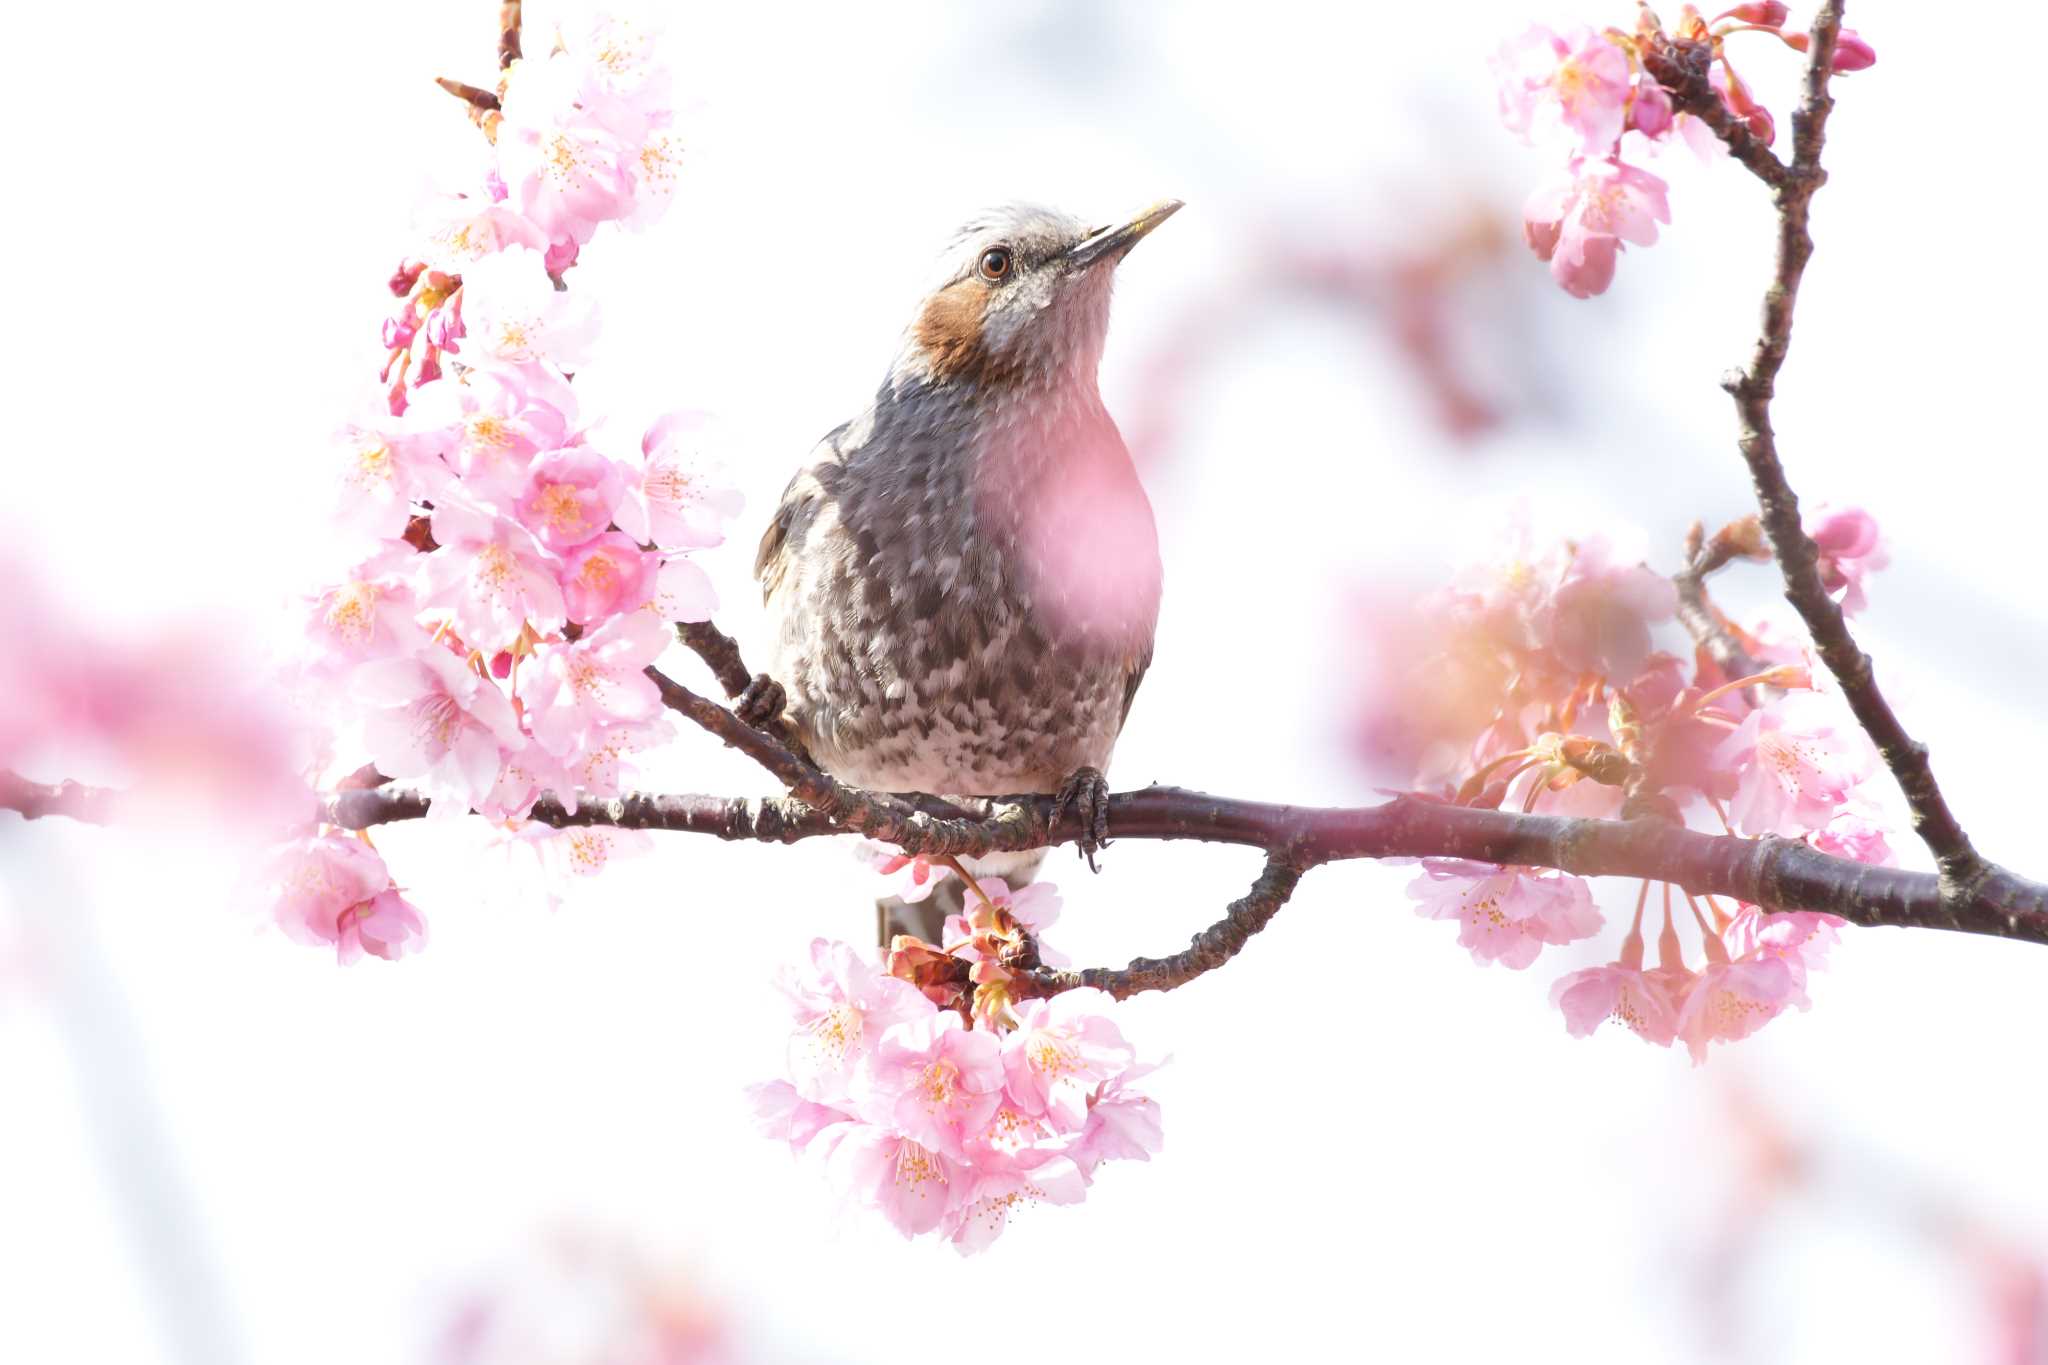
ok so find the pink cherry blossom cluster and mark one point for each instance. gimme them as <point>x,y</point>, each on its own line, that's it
<point>1536,683</point>
<point>165,711</point>
<point>929,1091</point>
<point>1587,95</point>
<point>517,571</point>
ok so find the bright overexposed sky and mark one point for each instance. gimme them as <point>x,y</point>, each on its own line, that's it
<point>216,1146</point>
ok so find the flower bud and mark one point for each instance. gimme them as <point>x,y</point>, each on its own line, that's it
<point>403,278</point>
<point>1852,53</point>
<point>1792,677</point>
<point>1650,115</point>
<point>1765,13</point>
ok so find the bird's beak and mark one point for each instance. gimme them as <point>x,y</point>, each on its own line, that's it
<point>1110,243</point>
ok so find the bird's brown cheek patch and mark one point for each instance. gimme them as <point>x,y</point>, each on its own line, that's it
<point>950,333</point>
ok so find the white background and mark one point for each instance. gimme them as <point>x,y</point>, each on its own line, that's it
<point>218,1147</point>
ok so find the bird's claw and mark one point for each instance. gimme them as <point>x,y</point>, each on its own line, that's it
<point>760,705</point>
<point>1087,791</point>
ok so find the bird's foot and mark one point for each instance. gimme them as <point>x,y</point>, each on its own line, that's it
<point>1087,791</point>
<point>760,705</point>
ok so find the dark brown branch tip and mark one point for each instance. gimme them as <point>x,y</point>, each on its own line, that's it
<point>509,19</point>
<point>477,99</point>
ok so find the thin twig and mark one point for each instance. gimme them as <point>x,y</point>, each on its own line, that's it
<point>1207,951</point>
<point>1753,388</point>
<point>720,652</point>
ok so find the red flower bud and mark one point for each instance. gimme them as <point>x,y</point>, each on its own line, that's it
<point>1852,53</point>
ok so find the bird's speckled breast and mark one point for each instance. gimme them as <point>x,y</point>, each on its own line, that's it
<point>963,603</point>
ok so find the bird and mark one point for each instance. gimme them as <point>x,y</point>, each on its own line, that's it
<point>962,583</point>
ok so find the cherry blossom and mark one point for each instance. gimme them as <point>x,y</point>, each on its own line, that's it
<point>842,1006</point>
<point>1853,836</point>
<point>1850,549</point>
<point>497,423</point>
<point>1799,938</point>
<point>1576,88</point>
<point>945,1122</point>
<point>1794,764</point>
<point>912,877</point>
<point>561,167</point>
<point>1623,991</point>
<point>1731,1000</point>
<point>1061,1050</point>
<point>1505,914</point>
<point>491,576</point>
<point>1579,221</point>
<point>937,1081</point>
<point>911,1185</point>
<point>335,890</point>
<point>579,688</point>
<point>605,576</point>
<point>1602,607</point>
<point>372,614</point>
<point>984,1209</point>
<point>513,314</point>
<point>382,471</point>
<point>1123,1123</point>
<point>461,230</point>
<point>680,498</point>
<point>431,716</point>
<point>781,1113</point>
<point>683,591</point>
<point>1637,999</point>
<point>569,497</point>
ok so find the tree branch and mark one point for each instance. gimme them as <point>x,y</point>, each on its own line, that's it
<point>1207,951</point>
<point>75,801</point>
<point>720,652</point>
<point>1798,558</point>
<point>1681,66</point>
<point>1780,874</point>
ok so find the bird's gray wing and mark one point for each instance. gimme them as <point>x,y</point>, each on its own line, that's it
<point>1134,673</point>
<point>784,538</point>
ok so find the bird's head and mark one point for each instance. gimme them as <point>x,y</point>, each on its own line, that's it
<point>1021,300</point>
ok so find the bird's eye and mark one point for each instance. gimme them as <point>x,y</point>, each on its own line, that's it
<point>995,264</point>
